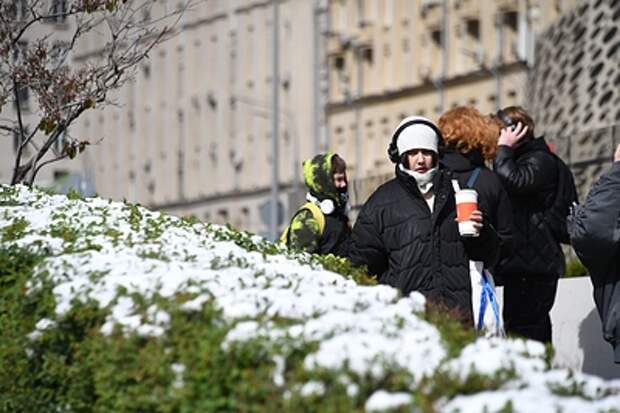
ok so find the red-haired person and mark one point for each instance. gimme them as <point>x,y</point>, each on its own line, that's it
<point>471,139</point>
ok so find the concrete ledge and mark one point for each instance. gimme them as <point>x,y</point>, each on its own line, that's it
<point>577,332</point>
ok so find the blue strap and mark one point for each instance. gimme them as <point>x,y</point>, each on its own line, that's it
<point>472,178</point>
<point>483,306</point>
<point>487,290</point>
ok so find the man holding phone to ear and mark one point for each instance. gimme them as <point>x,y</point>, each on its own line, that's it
<point>532,176</point>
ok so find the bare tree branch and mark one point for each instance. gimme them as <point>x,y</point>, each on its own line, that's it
<point>28,140</point>
<point>56,159</point>
<point>8,129</point>
<point>20,132</point>
<point>61,90</point>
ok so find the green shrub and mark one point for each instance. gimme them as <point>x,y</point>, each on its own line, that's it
<point>15,230</point>
<point>72,366</point>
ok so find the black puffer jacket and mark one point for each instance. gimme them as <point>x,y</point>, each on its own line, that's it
<point>529,174</point>
<point>336,237</point>
<point>492,197</point>
<point>407,247</point>
<point>595,233</point>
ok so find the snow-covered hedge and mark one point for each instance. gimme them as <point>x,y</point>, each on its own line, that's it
<point>106,306</point>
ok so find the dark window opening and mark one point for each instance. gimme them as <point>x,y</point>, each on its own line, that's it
<point>23,94</point>
<point>436,37</point>
<point>146,70</point>
<point>18,10</point>
<point>17,141</point>
<point>23,97</point>
<point>473,28</point>
<point>59,144</point>
<point>58,11</point>
<point>511,20</point>
<point>338,62</point>
<point>222,214</point>
<point>367,54</point>
<point>60,174</point>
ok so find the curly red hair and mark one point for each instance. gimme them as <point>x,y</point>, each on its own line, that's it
<point>466,129</point>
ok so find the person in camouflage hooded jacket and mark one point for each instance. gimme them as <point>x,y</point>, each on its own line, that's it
<point>326,178</point>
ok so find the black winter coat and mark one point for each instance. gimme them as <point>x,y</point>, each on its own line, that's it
<point>594,228</point>
<point>530,176</point>
<point>407,247</point>
<point>492,197</point>
<point>336,237</point>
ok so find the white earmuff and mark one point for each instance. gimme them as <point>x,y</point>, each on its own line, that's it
<point>327,206</point>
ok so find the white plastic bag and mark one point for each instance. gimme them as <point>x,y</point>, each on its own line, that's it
<point>486,306</point>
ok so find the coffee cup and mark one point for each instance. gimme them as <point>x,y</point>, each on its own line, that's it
<point>466,203</point>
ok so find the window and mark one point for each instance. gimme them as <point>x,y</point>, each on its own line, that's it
<point>131,118</point>
<point>366,53</point>
<point>473,28</point>
<point>146,14</point>
<point>58,11</point>
<point>146,70</point>
<point>436,37</point>
<point>60,174</point>
<point>222,216</point>
<point>211,101</point>
<point>60,142</point>
<point>23,94</point>
<point>361,22</point>
<point>18,9</point>
<point>338,62</point>
<point>23,97</point>
<point>16,141</point>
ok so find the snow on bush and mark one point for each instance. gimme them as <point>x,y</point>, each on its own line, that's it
<point>276,328</point>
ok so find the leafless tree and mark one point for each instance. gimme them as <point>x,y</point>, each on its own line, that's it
<point>38,59</point>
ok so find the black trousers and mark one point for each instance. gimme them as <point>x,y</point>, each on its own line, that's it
<point>527,302</point>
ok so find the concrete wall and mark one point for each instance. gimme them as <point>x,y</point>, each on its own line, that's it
<point>577,334</point>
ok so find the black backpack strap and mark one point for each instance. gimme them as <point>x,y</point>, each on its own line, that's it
<point>472,178</point>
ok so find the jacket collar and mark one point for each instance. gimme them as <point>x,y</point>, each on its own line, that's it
<point>459,162</point>
<point>536,144</point>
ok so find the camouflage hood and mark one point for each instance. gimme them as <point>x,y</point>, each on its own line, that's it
<point>318,177</point>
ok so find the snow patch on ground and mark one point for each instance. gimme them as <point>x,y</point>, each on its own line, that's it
<point>381,400</point>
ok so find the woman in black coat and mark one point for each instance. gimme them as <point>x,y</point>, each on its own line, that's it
<point>406,233</point>
<point>471,139</point>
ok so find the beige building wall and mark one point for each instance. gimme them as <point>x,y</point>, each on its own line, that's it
<point>193,133</point>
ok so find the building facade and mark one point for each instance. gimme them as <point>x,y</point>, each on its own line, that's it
<point>391,59</point>
<point>192,134</point>
<point>576,88</point>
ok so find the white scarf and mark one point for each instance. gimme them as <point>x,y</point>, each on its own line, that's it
<point>424,180</point>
